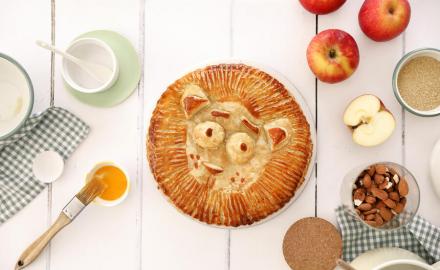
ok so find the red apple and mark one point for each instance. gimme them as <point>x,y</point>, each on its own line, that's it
<point>321,6</point>
<point>333,55</point>
<point>382,20</point>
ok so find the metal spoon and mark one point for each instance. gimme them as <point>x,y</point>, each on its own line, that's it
<point>99,72</point>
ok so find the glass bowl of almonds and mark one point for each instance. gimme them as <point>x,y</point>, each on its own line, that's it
<point>383,195</point>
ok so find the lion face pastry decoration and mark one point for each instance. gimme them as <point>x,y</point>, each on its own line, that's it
<point>228,145</point>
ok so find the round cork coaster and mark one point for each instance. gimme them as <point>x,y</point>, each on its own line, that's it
<point>312,244</point>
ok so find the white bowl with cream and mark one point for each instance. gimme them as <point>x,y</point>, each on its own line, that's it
<point>94,51</point>
<point>16,96</point>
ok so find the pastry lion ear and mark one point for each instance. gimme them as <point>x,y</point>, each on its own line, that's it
<point>193,100</point>
<point>278,133</point>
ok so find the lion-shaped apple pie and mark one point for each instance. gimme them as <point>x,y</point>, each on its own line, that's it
<point>228,145</point>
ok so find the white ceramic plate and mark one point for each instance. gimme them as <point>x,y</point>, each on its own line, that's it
<point>307,113</point>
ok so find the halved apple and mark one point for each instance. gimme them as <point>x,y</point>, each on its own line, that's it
<point>369,120</point>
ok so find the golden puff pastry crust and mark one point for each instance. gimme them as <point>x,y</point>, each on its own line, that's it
<point>228,145</point>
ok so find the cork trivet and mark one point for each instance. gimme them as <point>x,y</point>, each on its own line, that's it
<point>312,244</point>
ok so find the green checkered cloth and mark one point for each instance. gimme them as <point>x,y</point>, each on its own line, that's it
<point>55,129</point>
<point>419,236</point>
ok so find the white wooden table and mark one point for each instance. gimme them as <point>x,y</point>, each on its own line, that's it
<point>172,36</point>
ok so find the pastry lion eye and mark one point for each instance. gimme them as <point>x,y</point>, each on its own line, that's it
<point>208,134</point>
<point>243,147</point>
<point>240,147</point>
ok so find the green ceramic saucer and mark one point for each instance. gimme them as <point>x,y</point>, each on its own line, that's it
<point>129,71</point>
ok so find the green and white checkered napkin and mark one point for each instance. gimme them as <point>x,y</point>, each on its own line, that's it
<point>419,236</point>
<point>55,129</point>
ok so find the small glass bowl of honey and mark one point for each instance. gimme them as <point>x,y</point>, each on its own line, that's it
<point>117,180</point>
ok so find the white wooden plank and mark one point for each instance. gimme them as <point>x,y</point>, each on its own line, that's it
<point>275,34</point>
<point>421,133</point>
<point>18,41</point>
<point>182,34</point>
<point>337,152</point>
<point>101,238</point>
<point>179,36</point>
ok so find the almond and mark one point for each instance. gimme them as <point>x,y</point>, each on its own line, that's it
<point>367,181</point>
<point>385,213</point>
<point>378,179</point>
<point>359,194</point>
<point>380,204</point>
<point>372,211</point>
<point>218,113</point>
<point>403,201</point>
<point>379,220</point>
<point>381,169</point>
<point>399,208</point>
<point>403,187</point>
<point>371,171</point>
<point>370,199</point>
<point>364,207</point>
<point>370,217</point>
<point>384,185</point>
<point>379,193</point>
<point>390,203</point>
<point>394,196</point>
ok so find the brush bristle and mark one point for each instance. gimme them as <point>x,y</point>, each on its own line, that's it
<point>91,190</point>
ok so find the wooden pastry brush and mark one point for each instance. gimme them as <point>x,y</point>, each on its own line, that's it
<point>88,193</point>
